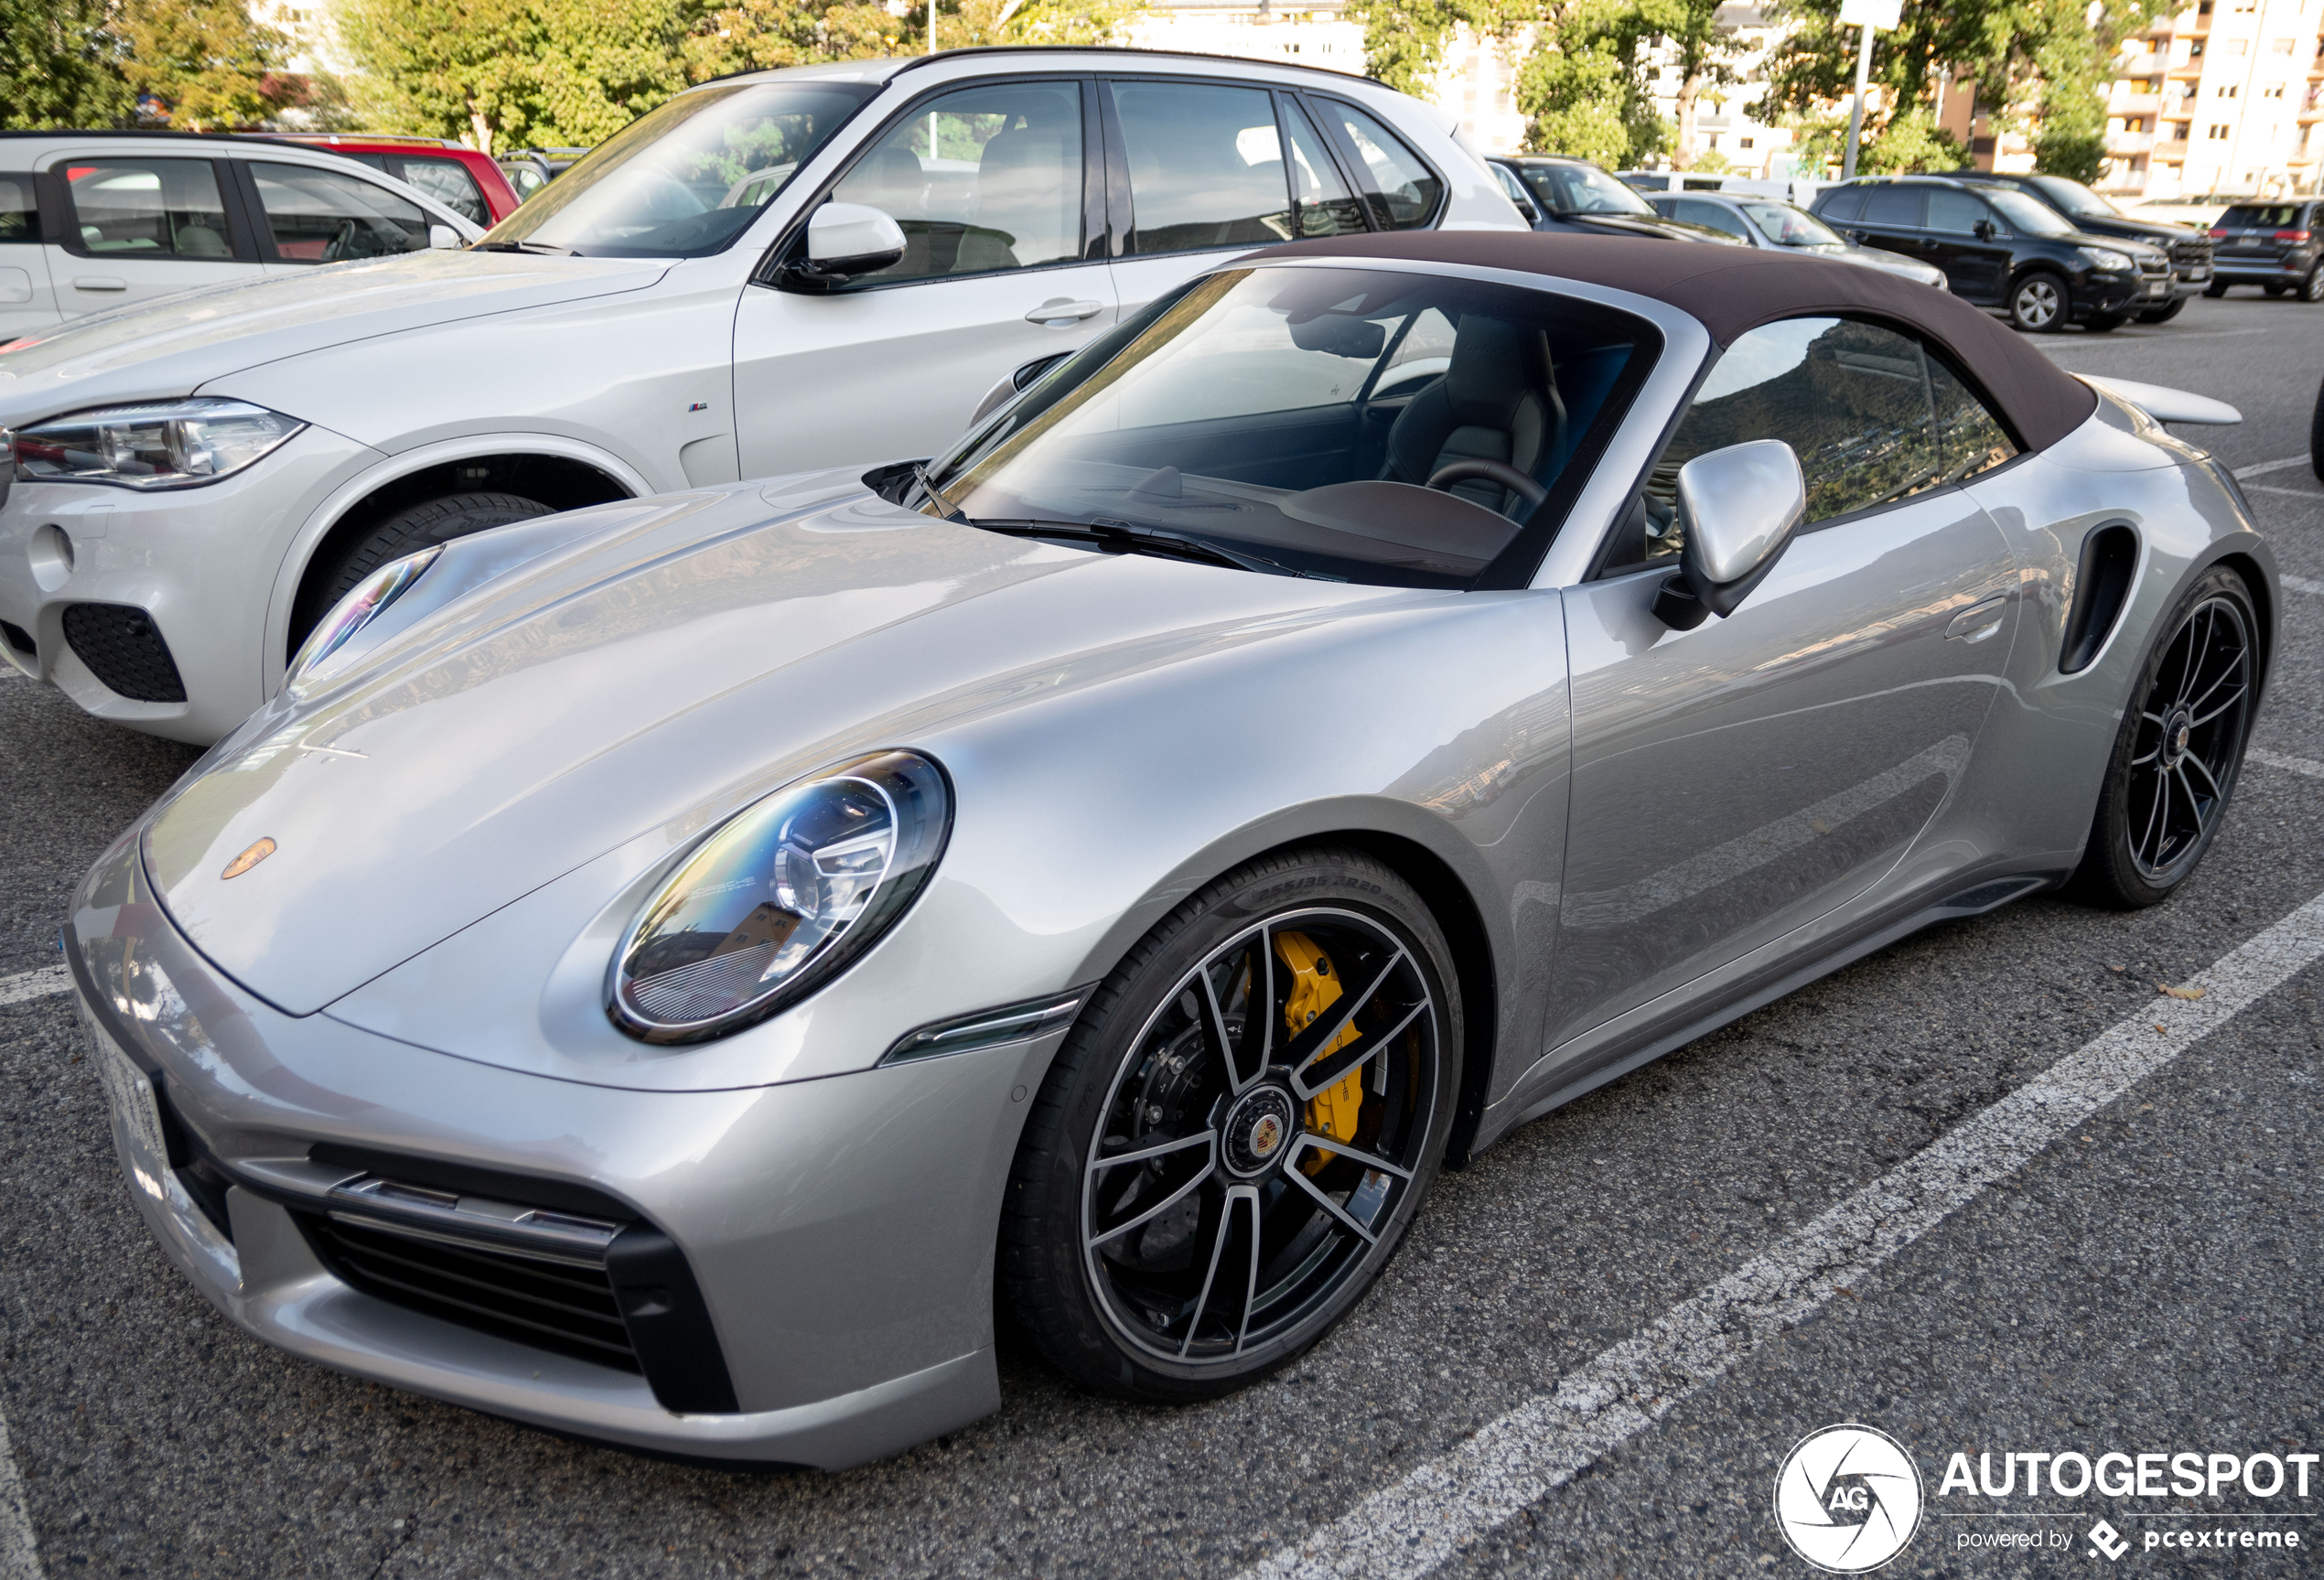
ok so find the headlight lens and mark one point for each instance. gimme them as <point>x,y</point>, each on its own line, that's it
<point>2105,260</point>
<point>780,899</point>
<point>359,608</point>
<point>169,444</point>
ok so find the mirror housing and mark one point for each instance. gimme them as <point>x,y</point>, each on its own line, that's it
<point>1985,231</point>
<point>1738,510</point>
<point>443,239</point>
<point>843,239</point>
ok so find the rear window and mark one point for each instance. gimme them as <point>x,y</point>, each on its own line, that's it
<point>1894,206</point>
<point>2261,217</point>
<point>1843,205</point>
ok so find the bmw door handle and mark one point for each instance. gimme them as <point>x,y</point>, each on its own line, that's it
<point>99,282</point>
<point>1978,621</point>
<point>1060,311</point>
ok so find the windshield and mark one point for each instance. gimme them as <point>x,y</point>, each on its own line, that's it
<point>2075,199</point>
<point>1292,418</point>
<point>1582,189</point>
<point>686,179</point>
<point>2028,215</point>
<point>1788,227</point>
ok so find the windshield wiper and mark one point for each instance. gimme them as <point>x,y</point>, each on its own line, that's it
<point>1122,537</point>
<point>953,513</point>
<point>544,247</point>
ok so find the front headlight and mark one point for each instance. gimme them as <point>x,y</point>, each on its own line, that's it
<point>165,444</point>
<point>2105,261</point>
<point>781,898</point>
<point>359,607</point>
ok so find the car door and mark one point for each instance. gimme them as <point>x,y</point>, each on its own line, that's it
<point>311,215</point>
<point>1198,171</point>
<point>991,185</point>
<point>1977,265</point>
<point>1893,220</point>
<point>138,227</point>
<point>1736,781</point>
<point>27,303</point>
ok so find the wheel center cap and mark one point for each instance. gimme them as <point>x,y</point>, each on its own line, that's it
<point>2179,729</point>
<point>1258,1131</point>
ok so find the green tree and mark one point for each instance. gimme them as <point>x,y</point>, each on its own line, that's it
<point>208,61</point>
<point>1404,40</point>
<point>1705,54</point>
<point>1584,86</point>
<point>59,67</point>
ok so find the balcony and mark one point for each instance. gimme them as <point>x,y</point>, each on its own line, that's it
<point>2135,104</point>
<point>2129,144</point>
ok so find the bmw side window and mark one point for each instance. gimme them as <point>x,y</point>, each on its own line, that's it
<point>320,217</point>
<point>1321,204</point>
<point>448,182</point>
<point>147,208</point>
<point>1206,166</point>
<point>983,180</point>
<point>19,213</point>
<point>1404,193</point>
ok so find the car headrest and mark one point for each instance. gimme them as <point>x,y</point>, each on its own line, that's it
<point>1495,364</point>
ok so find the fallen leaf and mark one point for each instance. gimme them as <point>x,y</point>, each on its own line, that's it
<point>2161,1027</point>
<point>2190,993</point>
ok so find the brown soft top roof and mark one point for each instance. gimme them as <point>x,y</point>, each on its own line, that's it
<point>1732,290</point>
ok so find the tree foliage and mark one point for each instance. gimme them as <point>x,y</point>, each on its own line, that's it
<point>1908,142</point>
<point>59,67</point>
<point>1585,86</point>
<point>208,61</point>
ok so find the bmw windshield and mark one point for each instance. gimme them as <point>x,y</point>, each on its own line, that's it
<point>686,179</point>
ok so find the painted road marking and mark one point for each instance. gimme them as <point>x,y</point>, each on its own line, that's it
<point>2261,469</point>
<point>1409,1528</point>
<point>2279,760</point>
<point>38,983</point>
<point>2301,584</point>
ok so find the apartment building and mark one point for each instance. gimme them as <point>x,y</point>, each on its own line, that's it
<point>1314,32</point>
<point>2226,96</point>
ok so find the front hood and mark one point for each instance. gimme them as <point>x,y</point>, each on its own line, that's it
<point>2155,231</point>
<point>2129,246</point>
<point>683,661</point>
<point>1642,225</point>
<point>175,345</point>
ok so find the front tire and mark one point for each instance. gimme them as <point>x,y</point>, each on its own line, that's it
<point>1214,1171</point>
<point>2164,315</point>
<point>2216,289</point>
<point>407,531</point>
<point>2041,302</point>
<point>2179,750</point>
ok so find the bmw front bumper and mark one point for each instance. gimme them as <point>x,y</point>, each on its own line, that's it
<point>822,1250</point>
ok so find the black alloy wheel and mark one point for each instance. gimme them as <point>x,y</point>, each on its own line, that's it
<point>2178,752</point>
<point>1237,1134</point>
<point>2041,302</point>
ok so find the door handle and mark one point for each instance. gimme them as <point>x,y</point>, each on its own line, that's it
<point>99,282</point>
<point>1978,621</point>
<point>1059,310</point>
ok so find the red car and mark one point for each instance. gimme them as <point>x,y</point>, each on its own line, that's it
<point>463,181</point>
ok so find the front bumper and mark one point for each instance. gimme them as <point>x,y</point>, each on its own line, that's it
<point>840,1232</point>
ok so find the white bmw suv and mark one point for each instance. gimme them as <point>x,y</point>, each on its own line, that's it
<point>771,273</point>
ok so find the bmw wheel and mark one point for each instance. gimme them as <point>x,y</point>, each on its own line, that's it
<point>2177,753</point>
<point>1235,1137</point>
<point>2039,304</point>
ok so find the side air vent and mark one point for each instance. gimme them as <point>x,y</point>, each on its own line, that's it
<point>2102,586</point>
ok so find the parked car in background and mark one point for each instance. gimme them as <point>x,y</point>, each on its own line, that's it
<point>460,178</point>
<point>95,220</point>
<point>2189,249</point>
<point>796,268</point>
<point>1669,181</point>
<point>2001,249</point>
<point>2278,247</point>
<point>1577,196</point>
<point>1767,222</point>
<point>528,170</point>
<point>2198,208</point>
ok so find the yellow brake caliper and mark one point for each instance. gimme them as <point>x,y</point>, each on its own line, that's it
<point>1315,987</point>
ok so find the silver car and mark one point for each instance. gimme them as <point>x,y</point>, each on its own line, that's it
<point>1772,223</point>
<point>666,971</point>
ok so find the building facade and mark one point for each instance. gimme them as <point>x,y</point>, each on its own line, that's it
<point>2225,97</point>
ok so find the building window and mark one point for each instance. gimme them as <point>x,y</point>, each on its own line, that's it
<point>1745,142</point>
<point>2229,90</point>
<point>2273,91</point>
<point>2219,132</point>
<point>2279,45</point>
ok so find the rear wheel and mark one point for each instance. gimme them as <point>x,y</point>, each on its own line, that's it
<point>2041,302</point>
<point>1238,1132</point>
<point>2179,749</point>
<point>2312,288</point>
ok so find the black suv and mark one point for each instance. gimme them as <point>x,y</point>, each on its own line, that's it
<point>2275,246</point>
<point>2000,249</point>
<point>1573,195</point>
<point>2189,249</point>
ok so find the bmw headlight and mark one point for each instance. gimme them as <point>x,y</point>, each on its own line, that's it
<point>781,898</point>
<point>368,601</point>
<point>164,444</point>
<point>2105,260</point>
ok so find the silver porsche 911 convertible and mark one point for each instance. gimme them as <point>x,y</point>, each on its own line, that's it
<point>679,973</point>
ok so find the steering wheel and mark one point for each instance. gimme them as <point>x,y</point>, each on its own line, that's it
<point>1500,472</point>
<point>335,248</point>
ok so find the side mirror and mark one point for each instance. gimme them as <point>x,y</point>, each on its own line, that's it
<point>1737,509</point>
<point>843,239</point>
<point>443,239</point>
<point>1984,229</point>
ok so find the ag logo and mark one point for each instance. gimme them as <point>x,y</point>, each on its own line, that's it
<point>1849,1499</point>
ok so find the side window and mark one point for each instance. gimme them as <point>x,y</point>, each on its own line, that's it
<point>1970,438</point>
<point>988,179</point>
<point>148,209</point>
<point>321,216</point>
<point>1843,206</point>
<point>1206,166</point>
<point>1894,206</point>
<point>1405,192</point>
<point>1853,400</point>
<point>448,182</point>
<point>1321,204</point>
<point>19,215</point>
<point>1718,216</point>
<point>1954,213</point>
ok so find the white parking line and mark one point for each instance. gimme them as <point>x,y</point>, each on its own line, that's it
<point>38,983</point>
<point>19,1556</point>
<point>2279,760</point>
<point>2261,469</point>
<point>2301,584</point>
<point>2287,493</point>
<point>1407,1529</point>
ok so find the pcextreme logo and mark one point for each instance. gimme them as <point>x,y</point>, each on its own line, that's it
<point>1849,1499</point>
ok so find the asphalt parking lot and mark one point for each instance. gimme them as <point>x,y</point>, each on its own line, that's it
<point>1594,1354</point>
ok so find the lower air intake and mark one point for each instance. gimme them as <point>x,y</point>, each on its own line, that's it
<point>122,648</point>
